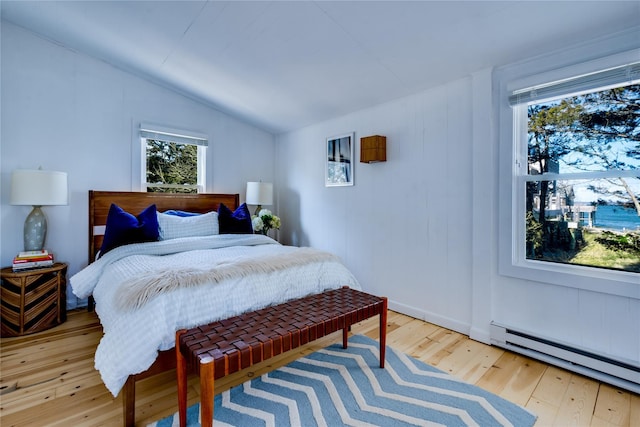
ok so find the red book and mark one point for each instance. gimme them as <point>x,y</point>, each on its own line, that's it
<point>19,260</point>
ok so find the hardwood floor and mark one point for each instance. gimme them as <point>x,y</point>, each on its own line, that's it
<point>48,379</point>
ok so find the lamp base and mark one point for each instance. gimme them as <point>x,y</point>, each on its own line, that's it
<point>258,209</point>
<point>35,230</point>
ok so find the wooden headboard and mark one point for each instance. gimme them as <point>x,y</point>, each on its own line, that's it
<point>135,202</point>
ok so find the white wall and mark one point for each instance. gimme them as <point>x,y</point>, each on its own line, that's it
<point>66,111</point>
<point>423,227</point>
<point>406,227</point>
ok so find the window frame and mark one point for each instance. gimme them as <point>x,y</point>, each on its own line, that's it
<point>512,129</point>
<point>161,133</point>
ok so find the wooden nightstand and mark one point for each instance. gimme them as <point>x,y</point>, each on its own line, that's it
<point>33,300</point>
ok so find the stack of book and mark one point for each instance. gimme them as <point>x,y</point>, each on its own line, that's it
<point>32,259</point>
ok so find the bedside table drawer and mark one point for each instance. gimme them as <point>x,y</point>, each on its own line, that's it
<point>39,288</point>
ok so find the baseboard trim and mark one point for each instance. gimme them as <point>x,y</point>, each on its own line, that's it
<point>436,319</point>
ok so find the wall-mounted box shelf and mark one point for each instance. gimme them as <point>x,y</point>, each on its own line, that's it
<point>373,149</point>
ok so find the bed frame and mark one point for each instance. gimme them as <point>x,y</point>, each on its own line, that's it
<point>135,202</point>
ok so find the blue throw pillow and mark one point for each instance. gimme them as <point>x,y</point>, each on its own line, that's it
<point>124,228</point>
<point>236,222</point>
<point>180,213</point>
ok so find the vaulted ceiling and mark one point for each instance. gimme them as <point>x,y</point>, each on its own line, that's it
<point>282,65</point>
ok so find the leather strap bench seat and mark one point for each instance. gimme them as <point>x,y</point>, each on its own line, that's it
<point>223,347</point>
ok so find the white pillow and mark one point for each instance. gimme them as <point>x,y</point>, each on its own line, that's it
<point>174,227</point>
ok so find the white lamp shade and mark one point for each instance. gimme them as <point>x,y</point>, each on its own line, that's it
<point>38,188</point>
<point>259,193</point>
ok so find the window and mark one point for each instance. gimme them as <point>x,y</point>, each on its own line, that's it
<point>574,201</point>
<point>581,178</point>
<point>174,161</point>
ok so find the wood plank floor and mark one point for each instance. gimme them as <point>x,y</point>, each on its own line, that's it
<point>48,379</point>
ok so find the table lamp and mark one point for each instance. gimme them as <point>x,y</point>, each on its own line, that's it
<point>37,188</point>
<point>259,193</point>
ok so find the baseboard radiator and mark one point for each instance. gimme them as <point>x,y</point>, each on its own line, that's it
<point>623,374</point>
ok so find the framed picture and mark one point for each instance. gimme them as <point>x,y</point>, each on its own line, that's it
<point>339,167</point>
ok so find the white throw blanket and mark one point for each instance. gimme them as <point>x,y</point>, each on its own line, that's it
<point>150,284</point>
<point>132,337</point>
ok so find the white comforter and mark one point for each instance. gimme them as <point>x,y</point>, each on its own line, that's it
<point>132,337</point>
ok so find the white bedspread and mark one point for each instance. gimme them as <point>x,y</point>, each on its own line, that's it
<point>133,337</point>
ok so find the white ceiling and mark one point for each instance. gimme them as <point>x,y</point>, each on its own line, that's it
<point>283,65</point>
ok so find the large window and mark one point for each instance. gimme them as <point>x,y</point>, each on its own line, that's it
<point>581,178</point>
<point>575,196</point>
<point>174,160</point>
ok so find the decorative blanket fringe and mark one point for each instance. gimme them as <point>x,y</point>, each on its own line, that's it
<point>139,290</point>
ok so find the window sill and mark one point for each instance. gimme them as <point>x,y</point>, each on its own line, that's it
<point>619,283</point>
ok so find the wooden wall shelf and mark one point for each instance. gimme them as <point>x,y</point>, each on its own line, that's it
<point>373,149</point>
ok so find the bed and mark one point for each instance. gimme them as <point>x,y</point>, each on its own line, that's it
<point>146,290</point>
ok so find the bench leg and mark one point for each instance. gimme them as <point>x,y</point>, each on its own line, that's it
<point>383,331</point>
<point>206,392</point>
<point>345,337</point>
<point>181,374</point>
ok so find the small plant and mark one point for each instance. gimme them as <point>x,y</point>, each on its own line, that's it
<point>265,221</point>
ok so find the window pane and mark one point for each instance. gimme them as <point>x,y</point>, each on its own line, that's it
<point>587,222</point>
<point>599,131</point>
<point>594,220</point>
<point>173,164</point>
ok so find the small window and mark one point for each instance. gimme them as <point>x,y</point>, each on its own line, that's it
<point>577,171</point>
<point>174,160</point>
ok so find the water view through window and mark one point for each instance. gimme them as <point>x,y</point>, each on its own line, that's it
<point>616,217</point>
<point>583,179</point>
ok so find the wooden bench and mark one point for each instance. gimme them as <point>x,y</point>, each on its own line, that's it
<point>223,347</point>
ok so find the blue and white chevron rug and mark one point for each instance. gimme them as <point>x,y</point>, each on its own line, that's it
<point>337,387</point>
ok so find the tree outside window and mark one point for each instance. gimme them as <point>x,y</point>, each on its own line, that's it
<point>172,167</point>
